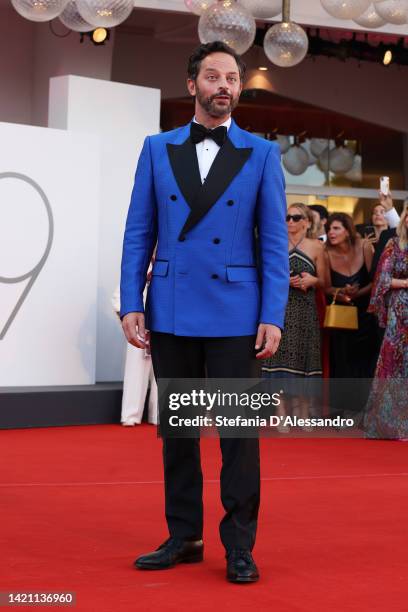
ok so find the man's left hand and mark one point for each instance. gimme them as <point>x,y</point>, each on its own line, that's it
<point>268,337</point>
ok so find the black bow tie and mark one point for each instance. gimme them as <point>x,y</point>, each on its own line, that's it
<point>198,132</point>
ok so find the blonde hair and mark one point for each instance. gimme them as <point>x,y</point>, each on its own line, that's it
<point>307,213</point>
<point>402,231</point>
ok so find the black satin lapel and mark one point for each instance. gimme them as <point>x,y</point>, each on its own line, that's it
<point>228,162</point>
<point>184,163</point>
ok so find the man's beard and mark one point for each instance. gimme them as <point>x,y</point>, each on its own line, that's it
<point>210,104</point>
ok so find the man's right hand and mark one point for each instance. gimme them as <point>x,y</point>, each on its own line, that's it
<point>133,325</point>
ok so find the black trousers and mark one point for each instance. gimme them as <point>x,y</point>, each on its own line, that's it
<point>232,357</point>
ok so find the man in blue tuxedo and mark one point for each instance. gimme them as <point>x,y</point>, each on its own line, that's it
<point>213,306</point>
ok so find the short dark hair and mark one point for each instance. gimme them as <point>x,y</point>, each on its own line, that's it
<point>321,210</point>
<point>194,62</point>
<point>346,221</point>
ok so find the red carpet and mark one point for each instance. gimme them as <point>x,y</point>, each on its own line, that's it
<point>78,504</point>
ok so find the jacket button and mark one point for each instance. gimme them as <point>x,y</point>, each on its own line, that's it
<point>182,238</point>
<point>173,197</point>
<point>214,275</point>
<point>230,202</point>
<point>216,241</point>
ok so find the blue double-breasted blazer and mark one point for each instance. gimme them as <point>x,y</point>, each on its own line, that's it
<point>221,263</point>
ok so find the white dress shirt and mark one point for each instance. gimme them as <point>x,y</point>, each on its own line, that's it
<point>207,151</point>
<point>392,218</point>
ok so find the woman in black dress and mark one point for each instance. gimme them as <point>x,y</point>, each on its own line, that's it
<point>352,352</point>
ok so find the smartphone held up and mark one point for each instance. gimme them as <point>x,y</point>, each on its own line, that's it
<point>385,185</point>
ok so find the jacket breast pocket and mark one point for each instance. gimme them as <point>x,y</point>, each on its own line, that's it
<point>242,273</point>
<point>160,268</point>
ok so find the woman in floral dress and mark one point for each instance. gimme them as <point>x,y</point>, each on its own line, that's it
<point>387,408</point>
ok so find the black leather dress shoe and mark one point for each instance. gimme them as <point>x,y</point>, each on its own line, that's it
<point>171,552</point>
<point>241,566</point>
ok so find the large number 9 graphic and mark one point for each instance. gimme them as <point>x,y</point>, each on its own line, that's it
<point>33,273</point>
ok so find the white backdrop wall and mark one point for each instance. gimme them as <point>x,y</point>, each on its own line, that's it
<point>122,115</point>
<point>48,204</point>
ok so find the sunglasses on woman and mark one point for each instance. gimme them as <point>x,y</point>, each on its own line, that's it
<point>295,218</point>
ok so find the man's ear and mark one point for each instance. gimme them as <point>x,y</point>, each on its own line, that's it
<point>191,86</point>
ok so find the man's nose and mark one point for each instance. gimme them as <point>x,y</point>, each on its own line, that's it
<point>223,83</point>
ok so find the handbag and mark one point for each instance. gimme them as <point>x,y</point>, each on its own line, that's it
<point>340,317</point>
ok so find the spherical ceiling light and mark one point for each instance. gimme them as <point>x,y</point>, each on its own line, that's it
<point>73,20</point>
<point>105,13</point>
<point>283,142</point>
<point>345,9</point>
<point>370,19</point>
<point>262,9</point>
<point>317,146</point>
<point>198,6</point>
<point>228,21</point>
<point>312,158</point>
<point>296,160</point>
<point>393,11</point>
<point>324,159</point>
<point>39,10</point>
<point>341,160</point>
<point>356,172</point>
<point>286,44</point>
